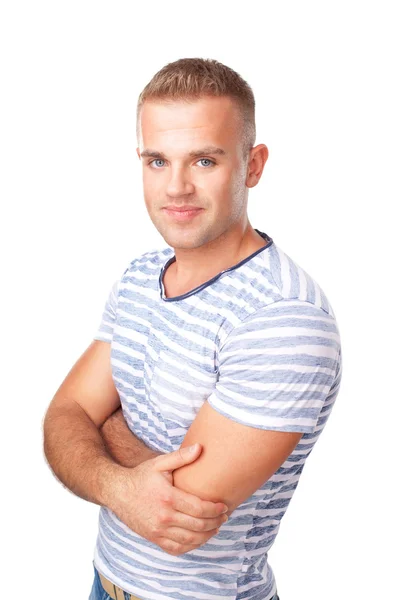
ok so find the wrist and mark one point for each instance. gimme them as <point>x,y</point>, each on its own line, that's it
<point>111,475</point>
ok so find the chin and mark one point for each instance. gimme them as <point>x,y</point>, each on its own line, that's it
<point>184,241</point>
<point>180,244</point>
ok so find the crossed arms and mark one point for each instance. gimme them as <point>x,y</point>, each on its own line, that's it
<point>236,459</point>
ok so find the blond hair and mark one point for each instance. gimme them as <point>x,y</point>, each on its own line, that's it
<point>189,79</point>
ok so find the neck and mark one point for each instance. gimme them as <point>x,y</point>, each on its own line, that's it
<point>200,264</point>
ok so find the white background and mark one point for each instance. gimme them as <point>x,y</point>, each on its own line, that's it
<point>325,76</point>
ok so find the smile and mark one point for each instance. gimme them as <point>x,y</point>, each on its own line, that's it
<point>182,215</point>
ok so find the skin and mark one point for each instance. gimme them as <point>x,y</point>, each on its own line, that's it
<point>220,236</point>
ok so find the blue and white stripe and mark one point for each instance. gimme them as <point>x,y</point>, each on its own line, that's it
<point>261,343</point>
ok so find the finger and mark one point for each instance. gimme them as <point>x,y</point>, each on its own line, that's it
<point>185,538</point>
<point>194,506</point>
<point>178,458</point>
<point>194,524</point>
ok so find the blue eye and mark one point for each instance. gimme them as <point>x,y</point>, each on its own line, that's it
<point>155,160</point>
<point>212,163</point>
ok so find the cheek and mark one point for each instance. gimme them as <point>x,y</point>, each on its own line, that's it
<point>228,185</point>
<point>150,200</point>
<point>217,184</point>
<point>153,192</point>
<point>150,182</point>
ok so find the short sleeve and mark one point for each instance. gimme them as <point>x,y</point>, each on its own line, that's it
<point>106,326</point>
<point>278,367</point>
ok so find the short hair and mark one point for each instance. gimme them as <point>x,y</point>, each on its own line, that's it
<point>189,79</point>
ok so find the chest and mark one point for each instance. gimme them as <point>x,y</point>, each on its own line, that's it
<point>164,365</point>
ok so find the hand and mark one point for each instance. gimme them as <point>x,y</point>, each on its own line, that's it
<point>149,504</point>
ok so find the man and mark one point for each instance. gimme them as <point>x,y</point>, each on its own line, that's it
<point>220,339</point>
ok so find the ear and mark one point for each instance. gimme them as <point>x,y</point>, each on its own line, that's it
<point>259,156</point>
<point>138,152</point>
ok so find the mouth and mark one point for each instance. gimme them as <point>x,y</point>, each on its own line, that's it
<point>182,215</point>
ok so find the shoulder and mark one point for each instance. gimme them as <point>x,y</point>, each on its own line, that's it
<point>294,283</point>
<point>284,323</point>
<point>291,312</point>
<point>148,260</point>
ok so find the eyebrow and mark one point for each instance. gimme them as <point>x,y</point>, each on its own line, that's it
<point>193,154</point>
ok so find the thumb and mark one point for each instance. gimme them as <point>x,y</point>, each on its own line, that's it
<point>178,458</point>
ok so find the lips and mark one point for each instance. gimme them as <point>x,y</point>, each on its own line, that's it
<point>182,208</point>
<point>182,213</point>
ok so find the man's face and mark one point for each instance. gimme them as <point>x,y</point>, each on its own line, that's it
<point>213,182</point>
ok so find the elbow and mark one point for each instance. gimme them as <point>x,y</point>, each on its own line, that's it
<point>186,479</point>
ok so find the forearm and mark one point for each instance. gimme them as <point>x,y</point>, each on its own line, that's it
<point>125,448</point>
<point>78,457</point>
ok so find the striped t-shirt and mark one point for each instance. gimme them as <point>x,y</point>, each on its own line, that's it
<point>261,343</point>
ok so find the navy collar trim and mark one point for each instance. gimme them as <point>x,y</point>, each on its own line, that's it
<point>270,241</point>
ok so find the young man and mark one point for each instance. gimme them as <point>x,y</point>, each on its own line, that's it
<point>220,339</point>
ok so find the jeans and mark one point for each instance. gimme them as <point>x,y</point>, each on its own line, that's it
<point>99,593</point>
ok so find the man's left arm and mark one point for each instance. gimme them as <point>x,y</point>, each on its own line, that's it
<point>276,369</point>
<point>235,461</point>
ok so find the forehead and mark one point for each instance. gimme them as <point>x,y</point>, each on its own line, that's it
<point>178,124</point>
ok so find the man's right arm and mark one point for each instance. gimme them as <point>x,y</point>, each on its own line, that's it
<point>144,497</point>
<point>73,445</point>
<point>125,448</point>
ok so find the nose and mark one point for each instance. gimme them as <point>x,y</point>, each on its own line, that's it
<point>179,183</point>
